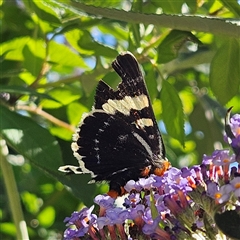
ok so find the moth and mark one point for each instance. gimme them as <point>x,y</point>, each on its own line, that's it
<point>119,139</point>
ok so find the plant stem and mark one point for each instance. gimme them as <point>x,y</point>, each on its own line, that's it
<point>47,116</point>
<point>12,193</point>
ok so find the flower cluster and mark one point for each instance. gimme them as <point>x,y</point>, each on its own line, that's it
<point>187,203</point>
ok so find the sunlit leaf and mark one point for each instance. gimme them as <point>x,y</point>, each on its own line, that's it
<point>63,95</point>
<point>14,48</point>
<point>44,11</point>
<point>62,133</point>
<point>75,111</point>
<point>233,6</point>
<point>63,55</point>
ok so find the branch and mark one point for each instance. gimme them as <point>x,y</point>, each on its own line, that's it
<point>180,22</point>
<point>47,116</point>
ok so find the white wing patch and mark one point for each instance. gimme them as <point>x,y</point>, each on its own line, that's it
<point>126,104</point>
<point>144,122</point>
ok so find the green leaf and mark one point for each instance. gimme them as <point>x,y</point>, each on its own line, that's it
<point>225,71</point>
<point>38,47</point>
<point>44,11</point>
<point>62,133</point>
<point>63,95</point>
<point>106,3</point>
<point>30,140</point>
<point>87,42</point>
<point>47,216</point>
<point>169,6</point>
<point>82,23</point>
<point>204,131</point>
<point>134,35</point>
<point>84,43</point>
<point>30,201</point>
<point>170,45</point>
<point>8,228</point>
<point>173,115</point>
<point>3,55</point>
<point>75,111</point>
<point>150,79</point>
<point>14,48</point>
<point>233,6</point>
<point>192,5</point>
<point>63,55</point>
<point>154,211</point>
<point>31,62</point>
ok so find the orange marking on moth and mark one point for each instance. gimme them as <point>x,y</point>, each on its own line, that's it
<point>162,170</point>
<point>115,194</point>
<point>145,172</point>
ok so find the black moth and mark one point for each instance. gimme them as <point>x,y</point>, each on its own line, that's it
<point>119,139</point>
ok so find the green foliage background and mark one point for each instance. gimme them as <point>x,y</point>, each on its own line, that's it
<point>53,54</point>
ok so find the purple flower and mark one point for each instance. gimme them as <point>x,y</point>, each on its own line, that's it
<point>224,193</point>
<point>82,221</point>
<point>223,158</point>
<point>232,136</point>
<point>76,216</point>
<point>103,221</point>
<point>146,183</point>
<point>235,124</point>
<point>132,185</point>
<point>117,215</point>
<point>186,172</point>
<point>172,204</point>
<point>132,200</point>
<point>137,212</point>
<point>236,146</point>
<point>104,201</point>
<point>152,228</point>
<point>159,181</point>
<point>235,183</point>
<point>212,189</point>
<point>70,234</point>
<point>218,157</point>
